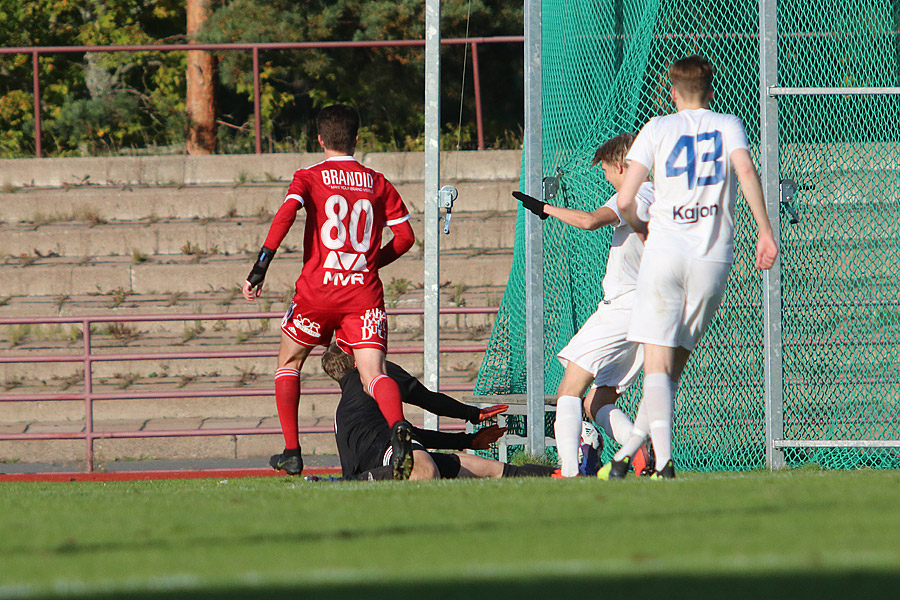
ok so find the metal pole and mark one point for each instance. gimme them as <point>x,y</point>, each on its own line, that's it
<point>833,91</point>
<point>431,326</point>
<point>88,398</point>
<point>37,103</point>
<point>769,163</point>
<point>479,122</point>
<point>257,120</point>
<point>534,239</point>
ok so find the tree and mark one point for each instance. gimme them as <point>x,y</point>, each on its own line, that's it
<point>200,77</point>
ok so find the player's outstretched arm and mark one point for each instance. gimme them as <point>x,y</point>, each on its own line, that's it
<point>635,175</point>
<point>581,219</point>
<point>441,440</point>
<point>766,247</point>
<point>403,240</point>
<point>439,403</point>
<point>279,228</point>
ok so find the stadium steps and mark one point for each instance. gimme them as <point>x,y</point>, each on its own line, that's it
<point>147,237</point>
<point>177,235</point>
<point>186,274</point>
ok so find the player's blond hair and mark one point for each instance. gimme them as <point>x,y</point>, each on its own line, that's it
<point>336,363</point>
<point>613,150</point>
<point>692,76</point>
<point>338,125</point>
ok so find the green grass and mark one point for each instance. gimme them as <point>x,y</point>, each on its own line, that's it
<point>803,534</point>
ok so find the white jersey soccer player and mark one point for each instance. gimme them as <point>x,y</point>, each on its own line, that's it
<point>693,155</point>
<point>599,351</point>
<point>600,346</point>
<point>691,224</point>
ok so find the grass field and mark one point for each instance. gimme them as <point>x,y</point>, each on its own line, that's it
<point>802,534</point>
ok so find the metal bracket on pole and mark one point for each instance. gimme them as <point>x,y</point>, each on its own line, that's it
<point>446,196</point>
<point>550,187</point>
<point>788,188</point>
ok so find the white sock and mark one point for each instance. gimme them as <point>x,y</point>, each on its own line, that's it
<point>659,396</point>
<point>639,433</point>
<point>614,422</point>
<point>568,433</point>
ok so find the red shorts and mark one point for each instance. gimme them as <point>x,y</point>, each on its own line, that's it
<point>357,329</point>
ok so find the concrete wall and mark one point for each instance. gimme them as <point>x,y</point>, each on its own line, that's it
<point>399,167</point>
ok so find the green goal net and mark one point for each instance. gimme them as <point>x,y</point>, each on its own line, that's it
<point>604,72</point>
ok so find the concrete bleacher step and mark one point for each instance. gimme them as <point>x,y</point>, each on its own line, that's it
<point>224,235</point>
<point>133,203</point>
<point>119,302</point>
<point>169,274</point>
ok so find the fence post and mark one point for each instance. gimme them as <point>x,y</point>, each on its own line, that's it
<point>532,167</point>
<point>257,120</point>
<point>88,398</point>
<point>769,161</point>
<point>431,319</point>
<point>37,103</point>
<point>479,123</point>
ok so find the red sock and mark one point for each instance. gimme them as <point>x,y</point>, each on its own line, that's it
<point>287,401</point>
<point>387,395</point>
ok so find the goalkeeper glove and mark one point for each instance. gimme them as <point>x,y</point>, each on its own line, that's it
<point>531,203</point>
<point>483,438</point>
<point>491,411</point>
<point>258,272</point>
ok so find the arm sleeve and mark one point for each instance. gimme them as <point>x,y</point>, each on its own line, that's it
<point>735,136</point>
<point>443,405</point>
<point>613,205</point>
<point>287,213</point>
<point>440,440</point>
<point>403,240</point>
<point>415,393</point>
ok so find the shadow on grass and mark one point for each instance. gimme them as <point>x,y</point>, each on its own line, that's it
<point>797,585</point>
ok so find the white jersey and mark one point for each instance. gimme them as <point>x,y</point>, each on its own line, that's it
<point>626,248</point>
<point>689,154</point>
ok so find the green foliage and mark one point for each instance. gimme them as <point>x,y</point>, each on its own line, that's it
<point>384,83</point>
<point>96,103</point>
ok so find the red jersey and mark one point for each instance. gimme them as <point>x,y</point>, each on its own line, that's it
<point>347,207</point>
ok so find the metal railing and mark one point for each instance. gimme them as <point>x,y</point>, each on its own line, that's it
<point>89,356</point>
<point>36,51</point>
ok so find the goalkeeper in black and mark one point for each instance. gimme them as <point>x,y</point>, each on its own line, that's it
<point>364,438</point>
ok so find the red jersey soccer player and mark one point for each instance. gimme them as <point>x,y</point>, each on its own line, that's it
<point>338,291</point>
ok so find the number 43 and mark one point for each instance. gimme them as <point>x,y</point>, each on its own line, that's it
<point>687,145</point>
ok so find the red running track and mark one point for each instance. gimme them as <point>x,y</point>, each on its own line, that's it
<point>155,475</point>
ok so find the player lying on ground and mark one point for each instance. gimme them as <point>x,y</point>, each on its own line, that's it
<point>600,352</point>
<point>694,155</point>
<point>364,438</point>
<point>338,292</point>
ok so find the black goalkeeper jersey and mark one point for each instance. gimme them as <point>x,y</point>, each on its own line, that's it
<point>363,435</point>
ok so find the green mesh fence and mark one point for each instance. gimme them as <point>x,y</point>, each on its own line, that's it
<point>605,66</point>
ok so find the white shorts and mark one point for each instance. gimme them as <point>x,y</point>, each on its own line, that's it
<point>677,297</point>
<point>600,347</point>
